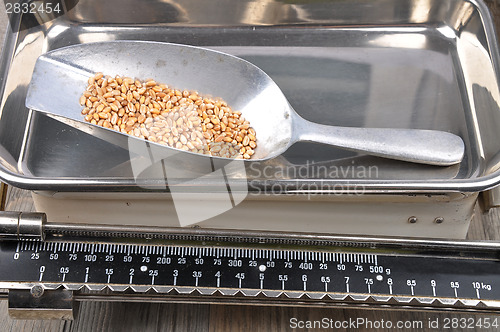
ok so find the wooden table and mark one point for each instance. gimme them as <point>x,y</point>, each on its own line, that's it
<point>145,317</point>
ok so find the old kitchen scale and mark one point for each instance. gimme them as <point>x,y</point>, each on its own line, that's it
<point>316,225</point>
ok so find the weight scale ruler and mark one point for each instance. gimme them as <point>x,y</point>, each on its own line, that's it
<point>46,267</point>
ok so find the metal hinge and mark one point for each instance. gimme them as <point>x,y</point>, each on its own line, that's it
<point>22,225</point>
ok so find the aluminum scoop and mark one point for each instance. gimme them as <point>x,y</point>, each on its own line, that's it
<point>60,77</point>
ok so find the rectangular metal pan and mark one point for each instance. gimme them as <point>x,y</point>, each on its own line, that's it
<point>383,63</point>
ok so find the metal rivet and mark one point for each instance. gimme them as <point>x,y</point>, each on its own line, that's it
<point>439,220</point>
<point>37,291</point>
<point>412,220</point>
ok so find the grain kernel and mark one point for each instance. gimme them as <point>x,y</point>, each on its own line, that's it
<point>103,115</point>
<point>114,118</point>
<point>131,121</point>
<point>144,132</point>
<point>183,139</point>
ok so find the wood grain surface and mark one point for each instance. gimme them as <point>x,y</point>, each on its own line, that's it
<point>145,317</point>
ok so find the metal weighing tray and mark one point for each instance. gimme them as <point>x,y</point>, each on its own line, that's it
<point>381,63</point>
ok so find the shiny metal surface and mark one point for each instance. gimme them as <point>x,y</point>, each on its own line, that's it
<point>295,299</point>
<point>68,231</point>
<point>64,73</point>
<point>389,64</point>
<point>115,239</point>
<point>430,147</point>
<point>44,304</point>
<point>22,225</point>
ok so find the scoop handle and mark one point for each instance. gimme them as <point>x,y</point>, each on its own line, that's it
<point>421,146</point>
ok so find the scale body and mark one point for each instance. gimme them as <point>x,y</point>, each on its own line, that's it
<point>48,267</point>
